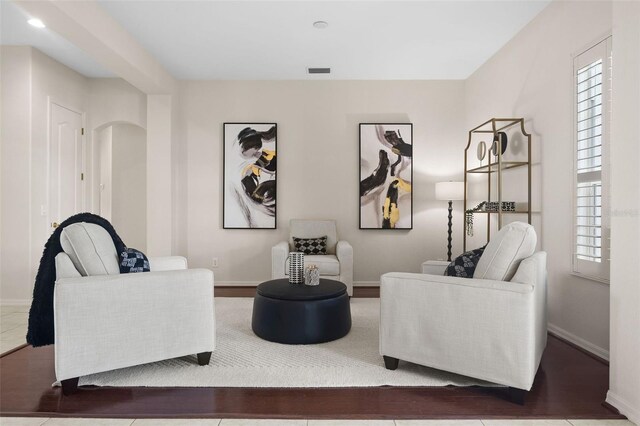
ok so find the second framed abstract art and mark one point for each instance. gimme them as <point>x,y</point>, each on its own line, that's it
<point>386,175</point>
<point>249,199</point>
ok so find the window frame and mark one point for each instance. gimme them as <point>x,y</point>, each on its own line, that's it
<point>596,271</point>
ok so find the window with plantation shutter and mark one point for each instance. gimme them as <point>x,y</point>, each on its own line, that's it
<point>592,73</point>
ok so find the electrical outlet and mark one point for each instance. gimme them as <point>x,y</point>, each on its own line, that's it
<point>214,262</point>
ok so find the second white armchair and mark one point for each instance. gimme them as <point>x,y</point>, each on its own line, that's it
<point>492,326</point>
<point>337,264</point>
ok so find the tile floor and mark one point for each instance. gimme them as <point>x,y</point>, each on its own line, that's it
<point>38,421</point>
<point>13,327</point>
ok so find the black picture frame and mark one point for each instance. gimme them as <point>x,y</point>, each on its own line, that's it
<point>373,190</point>
<point>239,208</point>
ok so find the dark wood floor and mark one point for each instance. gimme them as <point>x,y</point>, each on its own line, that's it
<point>569,384</point>
<point>229,291</point>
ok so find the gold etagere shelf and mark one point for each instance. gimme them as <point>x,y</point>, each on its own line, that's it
<point>496,127</point>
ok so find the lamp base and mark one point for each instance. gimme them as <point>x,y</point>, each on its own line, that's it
<point>449,231</point>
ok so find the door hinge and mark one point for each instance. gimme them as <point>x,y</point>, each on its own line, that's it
<point>81,176</point>
<point>82,131</point>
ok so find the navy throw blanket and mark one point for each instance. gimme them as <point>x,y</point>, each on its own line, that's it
<point>41,331</point>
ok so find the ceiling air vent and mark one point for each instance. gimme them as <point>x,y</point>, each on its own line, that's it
<point>319,70</point>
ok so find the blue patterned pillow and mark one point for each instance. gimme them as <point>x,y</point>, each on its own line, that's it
<point>465,265</point>
<point>132,260</point>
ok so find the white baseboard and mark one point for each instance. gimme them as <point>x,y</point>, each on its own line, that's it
<point>255,283</point>
<point>15,302</point>
<point>625,408</point>
<point>579,341</point>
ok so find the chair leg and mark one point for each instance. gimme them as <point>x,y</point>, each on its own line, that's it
<point>69,386</point>
<point>516,395</point>
<point>204,358</point>
<point>390,363</point>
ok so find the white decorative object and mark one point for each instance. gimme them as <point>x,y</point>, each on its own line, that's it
<point>337,264</point>
<point>482,151</point>
<point>311,275</point>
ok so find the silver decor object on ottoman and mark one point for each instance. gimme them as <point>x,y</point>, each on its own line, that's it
<point>311,275</point>
<point>296,267</point>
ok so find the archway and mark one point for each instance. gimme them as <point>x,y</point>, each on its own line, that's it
<point>121,159</point>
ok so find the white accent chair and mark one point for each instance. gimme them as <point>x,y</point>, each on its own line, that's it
<point>105,320</point>
<point>337,264</point>
<point>492,326</point>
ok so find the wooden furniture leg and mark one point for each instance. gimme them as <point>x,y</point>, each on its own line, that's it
<point>69,386</point>
<point>204,358</point>
<point>390,363</point>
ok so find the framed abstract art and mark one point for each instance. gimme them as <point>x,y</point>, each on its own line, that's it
<point>249,176</point>
<point>386,175</point>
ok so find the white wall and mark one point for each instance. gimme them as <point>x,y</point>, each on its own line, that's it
<point>160,225</point>
<point>179,179</point>
<point>531,77</point>
<point>30,81</point>
<point>51,82</point>
<point>624,388</point>
<point>15,173</point>
<point>35,80</point>
<point>318,166</point>
<point>129,177</point>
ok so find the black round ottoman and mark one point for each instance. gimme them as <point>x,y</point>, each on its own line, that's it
<point>301,314</point>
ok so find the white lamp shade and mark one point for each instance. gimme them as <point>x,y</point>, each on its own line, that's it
<point>450,191</point>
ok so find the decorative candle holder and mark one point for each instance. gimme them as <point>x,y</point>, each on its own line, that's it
<point>296,267</point>
<point>311,275</point>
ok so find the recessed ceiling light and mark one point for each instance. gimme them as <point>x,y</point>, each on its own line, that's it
<point>36,23</point>
<point>320,25</point>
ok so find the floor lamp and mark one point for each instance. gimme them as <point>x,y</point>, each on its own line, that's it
<point>449,191</point>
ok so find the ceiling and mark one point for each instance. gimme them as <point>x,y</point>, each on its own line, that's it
<point>267,40</point>
<point>14,30</point>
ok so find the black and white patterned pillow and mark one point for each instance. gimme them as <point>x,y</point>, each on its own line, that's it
<point>132,260</point>
<point>465,265</point>
<point>311,245</point>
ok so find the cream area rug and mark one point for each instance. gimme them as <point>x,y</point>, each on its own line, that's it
<point>242,359</point>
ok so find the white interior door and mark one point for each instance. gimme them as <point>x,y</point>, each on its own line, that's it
<point>65,164</point>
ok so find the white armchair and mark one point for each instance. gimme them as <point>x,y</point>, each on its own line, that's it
<point>105,320</point>
<point>337,264</point>
<point>492,327</point>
